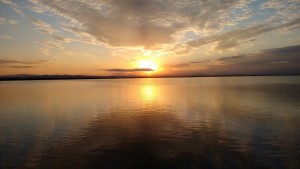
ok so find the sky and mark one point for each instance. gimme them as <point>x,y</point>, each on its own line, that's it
<point>149,37</point>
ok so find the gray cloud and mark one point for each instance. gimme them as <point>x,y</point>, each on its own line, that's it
<point>43,26</point>
<point>36,9</point>
<point>234,38</point>
<point>61,38</point>
<point>273,4</point>
<point>146,23</point>
<point>130,70</point>
<point>13,6</point>
<point>188,64</point>
<point>22,67</point>
<point>279,4</point>
<point>51,44</point>
<point>180,65</point>
<point>284,60</point>
<point>162,25</point>
<point>8,61</point>
<point>278,55</point>
<point>8,21</point>
<point>49,30</point>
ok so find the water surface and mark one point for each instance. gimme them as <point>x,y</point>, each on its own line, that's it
<point>222,122</point>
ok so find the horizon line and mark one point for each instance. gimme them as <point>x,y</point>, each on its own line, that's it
<point>19,77</point>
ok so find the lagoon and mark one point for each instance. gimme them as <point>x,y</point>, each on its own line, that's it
<point>205,122</point>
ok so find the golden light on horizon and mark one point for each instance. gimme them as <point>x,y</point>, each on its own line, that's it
<point>148,64</point>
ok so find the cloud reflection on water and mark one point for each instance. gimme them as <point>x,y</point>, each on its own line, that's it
<point>151,123</point>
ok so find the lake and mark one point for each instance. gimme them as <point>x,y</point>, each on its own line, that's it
<point>149,123</point>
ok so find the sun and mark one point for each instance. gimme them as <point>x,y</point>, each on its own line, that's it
<point>146,64</point>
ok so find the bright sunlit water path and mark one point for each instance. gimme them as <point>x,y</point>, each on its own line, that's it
<point>222,122</point>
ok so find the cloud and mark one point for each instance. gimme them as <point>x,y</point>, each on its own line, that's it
<point>280,62</point>
<point>236,37</point>
<point>8,21</point>
<point>181,49</point>
<point>273,4</point>
<point>47,45</point>
<point>6,37</point>
<point>130,70</point>
<point>188,64</point>
<point>288,54</point>
<point>283,60</point>
<point>10,63</point>
<point>146,23</point>
<point>52,44</point>
<point>49,30</point>
<point>43,26</point>
<point>13,6</point>
<point>36,9</point>
<point>164,25</point>
<point>61,38</point>
<point>279,4</point>
<point>132,59</point>
<point>84,37</point>
<point>22,67</point>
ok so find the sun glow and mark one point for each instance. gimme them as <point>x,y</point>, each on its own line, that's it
<point>149,93</point>
<point>146,64</point>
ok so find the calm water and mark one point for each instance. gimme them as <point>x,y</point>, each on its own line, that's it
<point>230,122</point>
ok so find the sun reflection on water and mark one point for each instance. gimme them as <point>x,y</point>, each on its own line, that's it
<point>148,92</point>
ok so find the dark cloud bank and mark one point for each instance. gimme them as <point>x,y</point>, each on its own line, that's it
<point>277,61</point>
<point>130,70</point>
<point>9,63</point>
